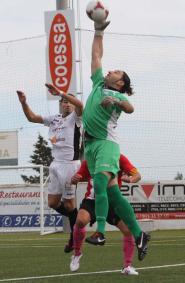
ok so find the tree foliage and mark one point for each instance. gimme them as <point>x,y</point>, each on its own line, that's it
<point>41,156</point>
<point>179,176</point>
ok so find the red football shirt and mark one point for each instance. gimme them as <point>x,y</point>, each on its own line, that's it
<point>125,167</point>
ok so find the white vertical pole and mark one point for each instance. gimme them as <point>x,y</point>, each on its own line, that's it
<point>62,5</point>
<point>79,49</point>
<point>41,200</point>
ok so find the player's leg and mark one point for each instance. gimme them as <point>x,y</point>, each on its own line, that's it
<point>55,202</point>
<point>86,214</point>
<point>68,209</point>
<point>55,195</point>
<point>69,196</point>
<point>70,205</point>
<point>56,189</point>
<point>54,192</point>
<point>125,211</point>
<point>127,241</point>
<point>100,182</point>
<point>83,218</point>
<point>103,169</point>
<point>128,249</point>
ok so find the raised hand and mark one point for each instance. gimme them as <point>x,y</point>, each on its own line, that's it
<point>21,96</point>
<point>54,90</point>
<point>125,178</point>
<point>76,178</point>
<point>101,26</point>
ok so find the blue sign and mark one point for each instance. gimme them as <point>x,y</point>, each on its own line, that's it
<point>30,220</point>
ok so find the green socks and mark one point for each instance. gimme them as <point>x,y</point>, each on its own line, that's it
<point>100,181</point>
<point>120,204</point>
<point>123,209</point>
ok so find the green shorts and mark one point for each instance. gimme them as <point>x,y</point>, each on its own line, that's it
<point>102,155</point>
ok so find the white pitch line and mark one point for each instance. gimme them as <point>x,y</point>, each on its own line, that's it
<point>27,247</point>
<point>39,239</point>
<point>87,273</point>
<point>64,238</point>
<point>6,246</point>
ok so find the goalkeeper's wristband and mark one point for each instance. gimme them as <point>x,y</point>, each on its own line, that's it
<point>99,32</point>
<point>117,102</point>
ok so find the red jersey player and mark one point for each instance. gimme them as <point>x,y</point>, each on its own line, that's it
<point>86,214</point>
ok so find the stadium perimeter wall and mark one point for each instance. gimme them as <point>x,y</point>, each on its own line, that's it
<point>158,205</point>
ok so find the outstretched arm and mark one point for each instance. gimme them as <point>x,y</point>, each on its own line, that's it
<point>97,46</point>
<point>136,177</point>
<point>130,174</point>
<point>124,105</point>
<point>97,53</point>
<point>72,99</point>
<point>30,115</point>
<point>82,174</point>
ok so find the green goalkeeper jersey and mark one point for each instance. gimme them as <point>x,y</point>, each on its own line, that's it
<point>99,122</point>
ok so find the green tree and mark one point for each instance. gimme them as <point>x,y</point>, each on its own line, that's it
<point>41,156</point>
<point>179,176</point>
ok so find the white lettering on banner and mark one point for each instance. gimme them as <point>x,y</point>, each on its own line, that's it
<point>60,49</point>
<point>61,60</point>
<point>59,28</point>
<point>60,71</point>
<point>59,84</point>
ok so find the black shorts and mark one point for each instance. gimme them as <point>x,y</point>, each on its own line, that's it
<point>89,205</point>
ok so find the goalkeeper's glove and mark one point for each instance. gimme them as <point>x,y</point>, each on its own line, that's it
<point>100,27</point>
<point>109,101</point>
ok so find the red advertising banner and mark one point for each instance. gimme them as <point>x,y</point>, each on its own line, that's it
<point>60,51</point>
<point>161,216</point>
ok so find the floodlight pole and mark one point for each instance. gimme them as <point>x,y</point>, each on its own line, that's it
<point>62,5</point>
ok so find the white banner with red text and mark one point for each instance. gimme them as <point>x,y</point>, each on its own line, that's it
<point>20,209</point>
<point>157,204</point>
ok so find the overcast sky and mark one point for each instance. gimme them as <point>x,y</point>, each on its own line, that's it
<point>154,135</point>
<point>22,18</point>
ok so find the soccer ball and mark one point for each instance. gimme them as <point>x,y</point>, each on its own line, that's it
<point>96,11</point>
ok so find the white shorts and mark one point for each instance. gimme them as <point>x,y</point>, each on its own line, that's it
<point>60,174</point>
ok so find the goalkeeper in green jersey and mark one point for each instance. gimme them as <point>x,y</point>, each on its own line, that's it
<point>103,107</point>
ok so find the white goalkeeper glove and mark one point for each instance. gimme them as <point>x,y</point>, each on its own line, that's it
<point>100,27</point>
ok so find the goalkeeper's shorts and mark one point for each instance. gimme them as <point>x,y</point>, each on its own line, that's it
<point>102,156</point>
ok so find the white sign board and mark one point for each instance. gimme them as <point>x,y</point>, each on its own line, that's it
<point>20,209</point>
<point>160,205</point>
<point>8,148</point>
<point>60,51</point>
<point>163,200</point>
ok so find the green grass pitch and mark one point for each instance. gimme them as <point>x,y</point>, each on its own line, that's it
<point>29,257</point>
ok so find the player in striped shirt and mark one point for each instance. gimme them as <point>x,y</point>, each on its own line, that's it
<point>65,135</point>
